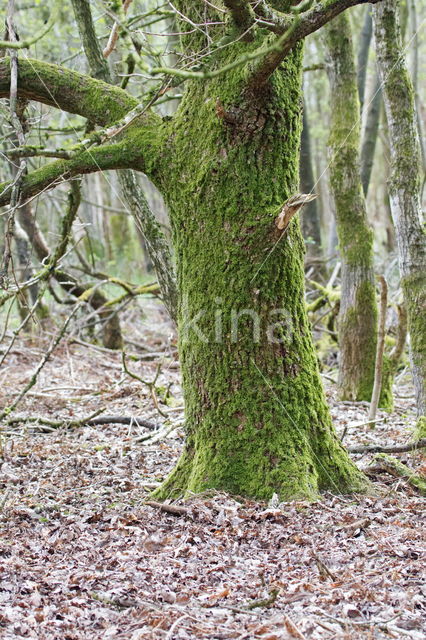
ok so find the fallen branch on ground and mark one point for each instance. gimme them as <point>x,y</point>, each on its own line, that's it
<point>173,509</point>
<point>399,448</point>
<point>87,421</point>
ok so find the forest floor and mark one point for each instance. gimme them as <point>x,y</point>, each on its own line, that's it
<point>83,557</point>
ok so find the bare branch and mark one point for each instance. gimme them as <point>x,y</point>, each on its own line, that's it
<point>400,448</point>
<point>112,40</point>
<point>97,63</point>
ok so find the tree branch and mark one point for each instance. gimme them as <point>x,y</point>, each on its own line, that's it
<point>145,220</point>
<point>400,448</point>
<point>122,155</point>
<point>97,63</point>
<point>158,248</point>
<point>68,90</point>
<point>306,24</point>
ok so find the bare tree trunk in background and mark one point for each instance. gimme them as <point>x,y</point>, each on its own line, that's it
<point>111,332</point>
<point>370,135</point>
<point>415,79</point>
<point>23,248</point>
<point>310,217</point>
<point>404,187</point>
<point>363,53</point>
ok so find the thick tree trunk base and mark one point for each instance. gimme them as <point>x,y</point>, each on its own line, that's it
<point>255,474</point>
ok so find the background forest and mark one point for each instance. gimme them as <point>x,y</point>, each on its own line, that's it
<point>113,268</point>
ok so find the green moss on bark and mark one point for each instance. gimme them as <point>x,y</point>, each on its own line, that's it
<point>138,148</point>
<point>68,90</point>
<point>257,421</point>
<point>358,309</point>
<point>388,376</point>
<point>357,333</point>
<point>414,290</point>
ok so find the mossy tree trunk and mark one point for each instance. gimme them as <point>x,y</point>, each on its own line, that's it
<point>256,417</point>
<point>404,184</point>
<point>358,309</point>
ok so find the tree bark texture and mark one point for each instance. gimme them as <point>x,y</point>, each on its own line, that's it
<point>404,184</point>
<point>256,417</point>
<point>358,309</point>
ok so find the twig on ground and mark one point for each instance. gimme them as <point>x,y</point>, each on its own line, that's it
<point>399,448</point>
<point>364,423</point>
<point>91,420</point>
<point>150,385</point>
<point>324,571</point>
<point>266,602</point>
<point>360,623</point>
<point>173,509</point>
<point>159,435</point>
<point>292,629</point>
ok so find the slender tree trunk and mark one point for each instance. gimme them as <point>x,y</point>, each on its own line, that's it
<point>370,135</point>
<point>310,217</point>
<point>156,243</point>
<point>256,418</point>
<point>358,309</point>
<point>363,52</point>
<point>23,248</point>
<point>415,79</point>
<point>392,361</point>
<point>404,186</point>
